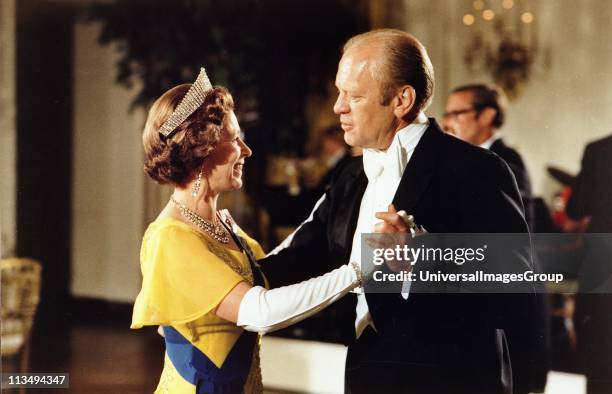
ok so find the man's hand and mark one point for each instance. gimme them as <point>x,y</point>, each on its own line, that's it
<point>392,221</point>
<point>396,225</point>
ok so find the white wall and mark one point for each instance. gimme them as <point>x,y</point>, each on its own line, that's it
<point>562,108</point>
<point>108,188</point>
<point>8,135</point>
<point>295,365</point>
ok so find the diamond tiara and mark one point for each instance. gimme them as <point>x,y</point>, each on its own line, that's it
<point>189,104</point>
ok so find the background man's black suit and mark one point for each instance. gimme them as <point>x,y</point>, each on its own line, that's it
<point>592,188</point>
<point>516,164</point>
<point>430,343</point>
<point>592,196</point>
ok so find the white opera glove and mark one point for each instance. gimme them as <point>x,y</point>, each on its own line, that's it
<point>264,310</point>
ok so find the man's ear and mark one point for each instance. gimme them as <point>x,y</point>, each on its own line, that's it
<point>404,102</point>
<point>487,115</point>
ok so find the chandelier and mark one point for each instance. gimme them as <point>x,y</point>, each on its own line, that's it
<point>503,41</point>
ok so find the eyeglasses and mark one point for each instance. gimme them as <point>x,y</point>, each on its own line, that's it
<point>455,114</point>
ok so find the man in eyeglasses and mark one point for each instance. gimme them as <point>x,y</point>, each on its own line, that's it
<point>475,113</point>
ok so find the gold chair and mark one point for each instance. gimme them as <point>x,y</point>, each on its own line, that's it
<point>20,293</point>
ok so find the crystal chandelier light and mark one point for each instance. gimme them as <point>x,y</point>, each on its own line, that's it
<point>503,41</point>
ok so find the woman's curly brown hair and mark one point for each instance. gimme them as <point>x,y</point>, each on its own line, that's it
<point>175,160</point>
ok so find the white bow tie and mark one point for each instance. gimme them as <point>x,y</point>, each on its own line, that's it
<point>391,162</point>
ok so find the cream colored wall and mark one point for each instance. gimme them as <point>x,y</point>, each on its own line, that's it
<point>108,188</point>
<point>562,108</point>
<point>7,128</point>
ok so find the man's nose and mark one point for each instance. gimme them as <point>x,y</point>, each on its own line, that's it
<point>340,105</point>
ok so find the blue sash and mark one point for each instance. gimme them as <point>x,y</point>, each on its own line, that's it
<point>196,368</point>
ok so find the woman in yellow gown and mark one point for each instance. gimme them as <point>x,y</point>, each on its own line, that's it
<point>201,282</point>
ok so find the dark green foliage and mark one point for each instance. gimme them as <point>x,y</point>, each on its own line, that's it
<point>270,54</point>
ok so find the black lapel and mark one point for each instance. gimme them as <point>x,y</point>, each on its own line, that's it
<point>497,146</point>
<point>345,217</point>
<point>420,169</point>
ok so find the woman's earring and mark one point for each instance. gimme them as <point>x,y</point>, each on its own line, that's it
<point>195,189</point>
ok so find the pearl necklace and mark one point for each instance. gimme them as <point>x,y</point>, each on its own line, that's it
<point>216,231</point>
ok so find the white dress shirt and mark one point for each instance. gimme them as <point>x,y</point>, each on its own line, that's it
<point>487,144</point>
<point>384,170</point>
